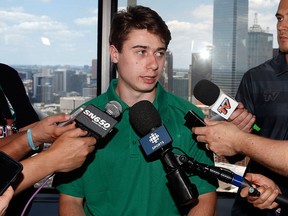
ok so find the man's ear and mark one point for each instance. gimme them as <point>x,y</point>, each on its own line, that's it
<point>113,54</point>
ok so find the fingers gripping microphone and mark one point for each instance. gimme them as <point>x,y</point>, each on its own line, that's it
<point>98,123</point>
<point>146,121</point>
<point>72,116</point>
<point>224,175</point>
<point>220,103</point>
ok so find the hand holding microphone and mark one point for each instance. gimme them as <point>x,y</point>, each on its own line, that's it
<point>269,192</point>
<point>224,105</point>
<point>98,123</point>
<point>223,138</point>
<point>230,177</point>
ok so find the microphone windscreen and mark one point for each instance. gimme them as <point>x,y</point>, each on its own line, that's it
<point>144,117</point>
<point>206,92</point>
<point>113,108</point>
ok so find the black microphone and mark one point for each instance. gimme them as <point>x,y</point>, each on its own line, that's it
<point>224,175</point>
<point>220,103</point>
<point>156,140</point>
<point>98,123</point>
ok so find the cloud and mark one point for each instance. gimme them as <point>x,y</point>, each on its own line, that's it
<point>203,12</point>
<point>263,4</point>
<point>15,15</point>
<point>177,26</point>
<point>199,30</point>
<point>88,21</point>
<point>40,25</point>
<point>24,21</point>
<point>25,24</point>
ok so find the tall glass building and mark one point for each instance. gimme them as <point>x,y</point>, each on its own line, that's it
<point>230,35</point>
<point>260,45</point>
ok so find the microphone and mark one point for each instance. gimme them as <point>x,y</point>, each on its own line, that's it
<point>98,123</point>
<point>156,140</point>
<point>220,103</point>
<point>147,122</point>
<point>224,175</point>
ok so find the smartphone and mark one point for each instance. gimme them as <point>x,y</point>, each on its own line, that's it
<point>193,120</point>
<point>73,116</point>
<point>9,169</point>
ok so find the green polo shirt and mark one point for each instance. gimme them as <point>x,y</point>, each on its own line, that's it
<point>117,180</point>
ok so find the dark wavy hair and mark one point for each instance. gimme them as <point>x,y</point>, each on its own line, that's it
<point>137,17</point>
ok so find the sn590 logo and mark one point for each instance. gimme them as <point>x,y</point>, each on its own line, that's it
<point>96,119</point>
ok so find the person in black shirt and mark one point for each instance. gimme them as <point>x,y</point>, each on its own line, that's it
<point>15,111</point>
<point>13,90</point>
<point>264,93</point>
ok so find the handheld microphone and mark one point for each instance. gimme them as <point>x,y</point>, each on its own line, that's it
<point>220,103</point>
<point>146,121</point>
<point>224,175</point>
<point>98,123</point>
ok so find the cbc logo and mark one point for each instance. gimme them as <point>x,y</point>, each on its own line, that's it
<point>154,138</point>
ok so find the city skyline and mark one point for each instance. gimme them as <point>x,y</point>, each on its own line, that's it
<point>45,32</point>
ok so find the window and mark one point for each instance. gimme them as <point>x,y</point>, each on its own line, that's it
<point>53,45</point>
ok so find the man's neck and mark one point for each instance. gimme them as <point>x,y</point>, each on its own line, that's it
<point>131,97</point>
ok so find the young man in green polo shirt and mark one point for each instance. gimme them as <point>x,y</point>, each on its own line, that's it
<point>117,180</point>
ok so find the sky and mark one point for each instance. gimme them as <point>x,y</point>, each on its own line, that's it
<point>52,32</point>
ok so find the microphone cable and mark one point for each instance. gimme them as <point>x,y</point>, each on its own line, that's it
<point>35,193</point>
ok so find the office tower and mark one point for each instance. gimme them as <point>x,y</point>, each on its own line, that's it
<point>89,92</point>
<point>260,45</point>
<point>180,86</point>
<point>68,104</point>
<point>42,88</point>
<point>166,79</point>
<point>94,69</point>
<point>201,68</point>
<point>76,81</point>
<point>60,81</point>
<point>230,35</point>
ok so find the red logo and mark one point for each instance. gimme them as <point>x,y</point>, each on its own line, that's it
<point>224,106</point>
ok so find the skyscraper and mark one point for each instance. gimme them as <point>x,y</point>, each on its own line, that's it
<point>60,80</point>
<point>260,45</point>
<point>230,36</point>
<point>94,68</point>
<point>167,74</point>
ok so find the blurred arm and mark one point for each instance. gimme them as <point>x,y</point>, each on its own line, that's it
<point>70,206</point>
<point>68,152</point>
<point>226,139</point>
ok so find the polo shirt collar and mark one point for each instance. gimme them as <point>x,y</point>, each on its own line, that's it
<point>161,102</point>
<point>161,97</point>
<point>111,94</point>
<point>280,64</point>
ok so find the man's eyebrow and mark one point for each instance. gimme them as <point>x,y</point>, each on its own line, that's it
<point>162,49</point>
<point>140,46</point>
<point>279,14</point>
<point>147,47</point>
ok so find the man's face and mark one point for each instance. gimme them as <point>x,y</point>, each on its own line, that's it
<point>282,26</point>
<point>140,62</point>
